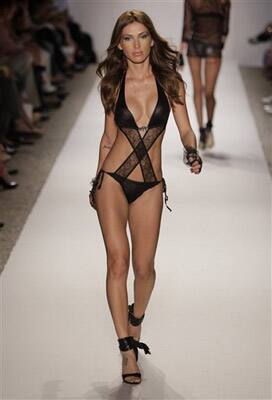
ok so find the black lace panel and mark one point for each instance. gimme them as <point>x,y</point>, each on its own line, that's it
<point>141,139</point>
<point>141,145</point>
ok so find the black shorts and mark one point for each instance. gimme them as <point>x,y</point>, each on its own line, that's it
<point>197,48</point>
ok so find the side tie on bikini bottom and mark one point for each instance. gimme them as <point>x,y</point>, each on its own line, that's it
<point>164,187</point>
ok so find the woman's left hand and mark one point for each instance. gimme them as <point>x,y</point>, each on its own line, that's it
<point>193,160</point>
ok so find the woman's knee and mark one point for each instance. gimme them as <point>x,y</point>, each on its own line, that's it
<point>144,269</point>
<point>209,96</point>
<point>118,265</point>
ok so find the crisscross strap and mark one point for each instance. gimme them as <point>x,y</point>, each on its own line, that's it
<point>139,155</point>
<point>125,121</point>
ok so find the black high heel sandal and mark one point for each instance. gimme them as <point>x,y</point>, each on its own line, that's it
<point>136,322</point>
<point>125,344</point>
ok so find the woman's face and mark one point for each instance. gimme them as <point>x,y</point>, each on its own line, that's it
<point>136,42</point>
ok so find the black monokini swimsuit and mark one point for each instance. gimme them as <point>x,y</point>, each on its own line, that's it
<point>140,144</point>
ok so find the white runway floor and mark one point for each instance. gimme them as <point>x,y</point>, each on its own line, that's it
<point>208,322</point>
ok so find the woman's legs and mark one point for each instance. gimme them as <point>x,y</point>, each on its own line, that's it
<point>144,216</point>
<point>144,223</point>
<point>195,67</point>
<point>212,68</point>
<point>112,210</point>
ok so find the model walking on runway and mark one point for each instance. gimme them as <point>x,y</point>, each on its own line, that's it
<point>139,86</point>
<point>205,29</point>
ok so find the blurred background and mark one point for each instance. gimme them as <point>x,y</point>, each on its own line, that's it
<point>248,17</point>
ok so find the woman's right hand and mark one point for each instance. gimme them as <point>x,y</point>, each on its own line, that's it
<point>91,199</point>
<point>92,192</point>
<point>96,181</point>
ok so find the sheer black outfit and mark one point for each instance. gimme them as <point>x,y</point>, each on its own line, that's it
<point>206,24</point>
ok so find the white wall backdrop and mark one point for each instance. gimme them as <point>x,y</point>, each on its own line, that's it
<point>248,17</point>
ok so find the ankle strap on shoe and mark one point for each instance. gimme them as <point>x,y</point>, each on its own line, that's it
<point>126,343</point>
<point>209,125</point>
<point>142,346</point>
<point>129,343</point>
<point>132,319</point>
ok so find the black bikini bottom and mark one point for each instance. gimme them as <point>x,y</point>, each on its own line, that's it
<point>132,189</point>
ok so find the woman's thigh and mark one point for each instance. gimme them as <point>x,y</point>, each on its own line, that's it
<point>195,68</point>
<point>112,211</point>
<point>212,68</point>
<point>144,223</point>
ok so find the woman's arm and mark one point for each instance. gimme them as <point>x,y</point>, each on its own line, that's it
<point>226,15</point>
<point>187,25</point>
<point>107,140</point>
<point>186,132</point>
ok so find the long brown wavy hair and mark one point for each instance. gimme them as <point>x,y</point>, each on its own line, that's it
<point>163,60</point>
